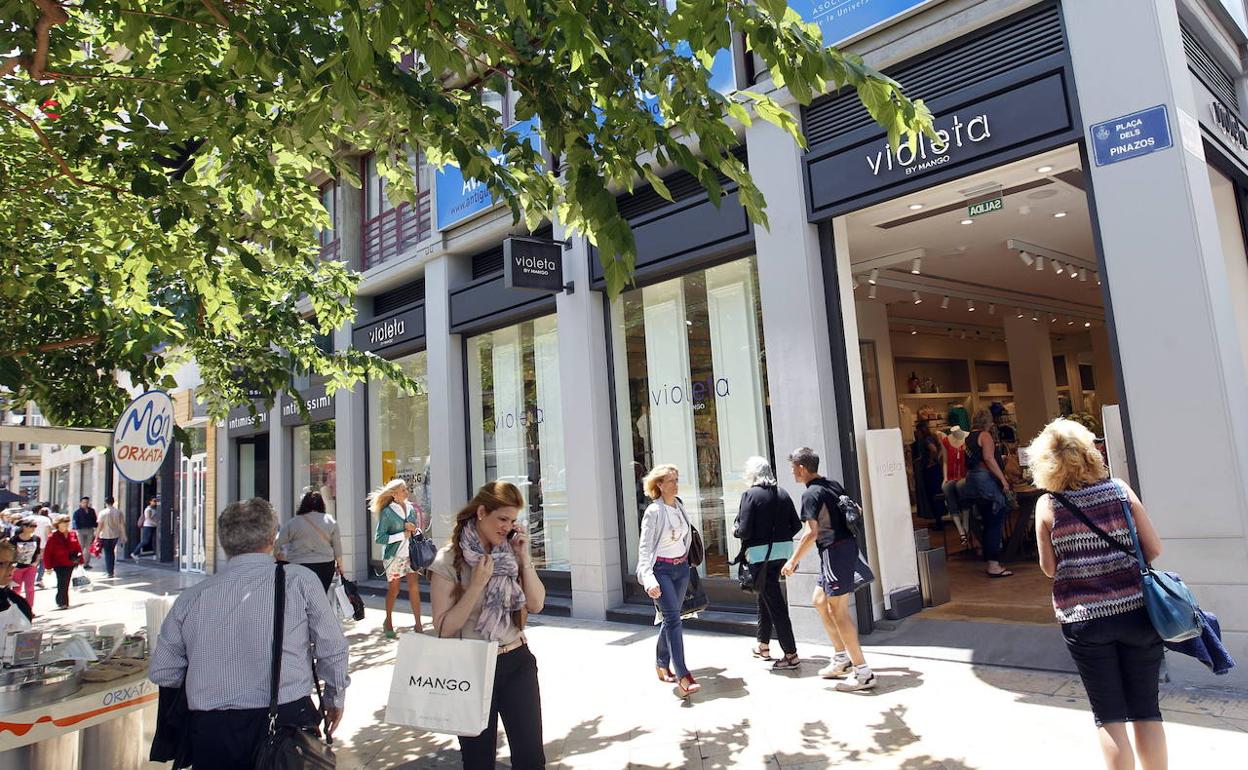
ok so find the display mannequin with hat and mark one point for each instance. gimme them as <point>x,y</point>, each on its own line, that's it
<point>953,460</point>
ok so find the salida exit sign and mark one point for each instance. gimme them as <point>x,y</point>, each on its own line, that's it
<point>984,207</point>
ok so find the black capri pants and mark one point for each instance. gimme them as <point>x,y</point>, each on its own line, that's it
<point>1119,660</point>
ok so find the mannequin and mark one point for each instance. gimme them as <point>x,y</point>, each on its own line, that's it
<point>953,462</point>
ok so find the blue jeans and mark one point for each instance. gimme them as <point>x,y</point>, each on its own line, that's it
<point>673,583</point>
<point>108,546</point>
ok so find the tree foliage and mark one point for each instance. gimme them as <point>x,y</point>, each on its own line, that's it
<point>157,158</point>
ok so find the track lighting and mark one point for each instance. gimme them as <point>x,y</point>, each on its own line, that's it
<point>944,303</point>
<point>1087,324</point>
<point>1039,263</point>
<point>1020,313</point>
<point>1073,273</point>
<point>874,277</point>
<point>1035,317</point>
<point>917,299</point>
<point>1070,322</point>
<point>916,265</point>
<point>1057,266</point>
<point>872,291</point>
<point>992,309</point>
<point>1026,257</point>
<point>913,331</point>
<point>855,283</point>
<point>1097,276</point>
<point>1083,276</point>
<point>970,306</point>
<point>1053,319</point>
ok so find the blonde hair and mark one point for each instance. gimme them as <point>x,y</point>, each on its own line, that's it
<point>656,475</point>
<point>384,495</point>
<point>1064,457</point>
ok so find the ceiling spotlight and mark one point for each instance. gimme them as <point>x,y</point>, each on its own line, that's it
<point>913,331</point>
<point>871,292</point>
<point>1057,266</point>
<point>992,309</point>
<point>916,265</point>
<point>916,206</point>
<point>1039,262</point>
<point>1059,215</point>
<point>1044,169</point>
<point>944,302</point>
<point>1020,313</point>
<point>855,283</point>
<point>874,276</point>
<point>1087,324</point>
<point>1027,258</point>
<point>1070,322</point>
<point>968,221</point>
<point>1098,278</point>
<point>964,334</point>
<point>1035,316</point>
<point>917,299</point>
<point>1073,272</point>
<point>970,306</point>
<point>1083,276</point>
<point>1053,319</point>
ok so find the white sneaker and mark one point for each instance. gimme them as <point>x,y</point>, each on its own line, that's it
<point>836,670</point>
<point>858,682</point>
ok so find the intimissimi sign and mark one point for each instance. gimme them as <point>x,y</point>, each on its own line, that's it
<point>970,131</point>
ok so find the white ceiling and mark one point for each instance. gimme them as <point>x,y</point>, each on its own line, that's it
<point>974,259</point>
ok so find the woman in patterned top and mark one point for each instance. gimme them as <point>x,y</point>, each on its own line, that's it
<point>1097,591</point>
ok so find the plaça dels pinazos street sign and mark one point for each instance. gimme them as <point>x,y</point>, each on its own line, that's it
<point>143,435</point>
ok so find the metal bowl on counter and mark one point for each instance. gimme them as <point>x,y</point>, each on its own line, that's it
<point>29,686</point>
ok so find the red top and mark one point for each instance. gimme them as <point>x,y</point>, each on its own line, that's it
<point>955,460</point>
<point>62,550</point>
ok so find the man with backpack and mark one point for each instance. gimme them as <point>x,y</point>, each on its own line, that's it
<point>828,527</point>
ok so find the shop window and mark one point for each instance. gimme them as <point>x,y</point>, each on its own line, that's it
<point>315,467</point>
<point>691,390</point>
<point>516,428</point>
<point>60,488</point>
<point>399,440</point>
<point>389,229</point>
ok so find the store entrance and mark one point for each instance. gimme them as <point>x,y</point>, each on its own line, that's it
<point>982,297</point>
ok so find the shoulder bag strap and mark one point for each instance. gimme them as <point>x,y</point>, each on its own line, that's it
<point>1136,552</point>
<point>318,531</point>
<point>279,622</point>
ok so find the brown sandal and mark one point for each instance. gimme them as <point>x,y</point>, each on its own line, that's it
<point>688,689</point>
<point>665,674</point>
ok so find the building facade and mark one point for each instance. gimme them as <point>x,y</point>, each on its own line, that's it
<point>1074,245</point>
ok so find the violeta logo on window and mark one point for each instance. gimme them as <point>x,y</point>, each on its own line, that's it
<point>695,392</point>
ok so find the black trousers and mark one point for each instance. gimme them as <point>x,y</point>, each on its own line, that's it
<point>227,740</point>
<point>773,610</point>
<point>1119,660</point>
<point>325,570</point>
<point>63,576</point>
<point>518,700</point>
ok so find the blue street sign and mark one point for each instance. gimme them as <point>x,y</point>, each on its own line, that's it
<point>459,198</point>
<point>840,20</point>
<point>1131,136</point>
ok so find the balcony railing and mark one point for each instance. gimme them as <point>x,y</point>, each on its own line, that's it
<point>331,250</point>
<point>388,234</point>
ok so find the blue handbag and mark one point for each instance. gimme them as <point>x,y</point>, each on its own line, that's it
<point>1170,604</point>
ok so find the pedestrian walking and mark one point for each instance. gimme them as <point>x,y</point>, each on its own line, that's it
<point>147,529</point>
<point>111,531</point>
<point>766,523</point>
<point>13,608</point>
<point>311,538</point>
<point>43,528</point>
<point>84,522</point>
<point>217,644</point>
<point>483,585</point>
<point>61,555</point>
<point>985,488</point>
<point>663,570</point>
<point>398,519</point>
<point>827,528</point>
<point>28,551</point>
<point>1098,594</point>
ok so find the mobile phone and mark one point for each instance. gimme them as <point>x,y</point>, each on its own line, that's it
<point>511,534</point>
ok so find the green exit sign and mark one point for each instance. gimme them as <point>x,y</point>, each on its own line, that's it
<point>984,207</point>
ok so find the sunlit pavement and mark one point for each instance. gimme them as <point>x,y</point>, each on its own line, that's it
<point>603,707</point>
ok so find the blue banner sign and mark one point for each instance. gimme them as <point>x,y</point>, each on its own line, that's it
<point>459,198</point>
<point>839,20</point>
<point>1130,136</point>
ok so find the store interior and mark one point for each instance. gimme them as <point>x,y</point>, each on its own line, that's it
<point>981,294</point>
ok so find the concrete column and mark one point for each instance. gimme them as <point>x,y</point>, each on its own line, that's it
<point>448,440</point>
<point>873,326</point>
<point>795,327</point>
<point>1103,367</point>
<point>281,461</point>
<point>593,522</point>
<point>351,461</point>
<point>1178,349</point>
<point>1030,349</point>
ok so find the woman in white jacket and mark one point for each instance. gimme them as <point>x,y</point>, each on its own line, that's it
<point>663,569</point>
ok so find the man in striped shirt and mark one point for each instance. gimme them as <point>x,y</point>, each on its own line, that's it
<point>218,638</point>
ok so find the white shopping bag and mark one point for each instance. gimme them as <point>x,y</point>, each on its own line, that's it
<point>338,599</point>
<point>442,685</point>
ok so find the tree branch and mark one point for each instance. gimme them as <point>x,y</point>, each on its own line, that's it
<point>51,150</point>
<point>171,17</point>
<point>223,20</point>
<point>51,347</point>
<point>51,14</point>
<point>107,76</point>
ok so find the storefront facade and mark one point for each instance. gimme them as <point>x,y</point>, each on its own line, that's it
<point>739,341</point>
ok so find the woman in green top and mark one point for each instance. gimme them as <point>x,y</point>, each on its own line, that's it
<point>397,520</point>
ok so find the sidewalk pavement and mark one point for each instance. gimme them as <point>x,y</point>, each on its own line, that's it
<point>604,708</point>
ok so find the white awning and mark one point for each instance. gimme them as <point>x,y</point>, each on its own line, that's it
<point>49,434</point>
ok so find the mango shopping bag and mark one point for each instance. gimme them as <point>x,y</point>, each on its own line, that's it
<point>442,685</point>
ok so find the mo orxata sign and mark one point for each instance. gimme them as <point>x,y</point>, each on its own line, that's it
<point>142,437</point>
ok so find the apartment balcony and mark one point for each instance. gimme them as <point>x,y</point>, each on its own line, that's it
<point>392,232</point>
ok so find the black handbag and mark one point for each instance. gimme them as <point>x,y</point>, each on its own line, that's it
<point>291,747</point>
<point>421,551</point>
<point>172,740</point>
<point>750,575</point>
<point>697,551</point>
<point>353,596</point>
<point>695,596</point>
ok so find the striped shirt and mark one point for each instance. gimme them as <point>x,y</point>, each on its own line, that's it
<point>218,639</point>
<point>1093,579</point>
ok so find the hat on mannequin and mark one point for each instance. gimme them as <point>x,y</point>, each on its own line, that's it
<point>957,436</point>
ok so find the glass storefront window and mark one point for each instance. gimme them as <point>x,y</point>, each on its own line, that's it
<point>399,440</point>
<point>60,488</point>
<point>691,390</point>
<point>315,470</point>
<point>516,428</point>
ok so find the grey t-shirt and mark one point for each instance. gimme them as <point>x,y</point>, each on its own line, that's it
<point>444,565</point>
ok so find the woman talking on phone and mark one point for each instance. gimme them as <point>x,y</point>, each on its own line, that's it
<point>483,586</point>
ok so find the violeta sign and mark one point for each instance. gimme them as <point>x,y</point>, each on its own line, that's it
<point>142,436</point>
